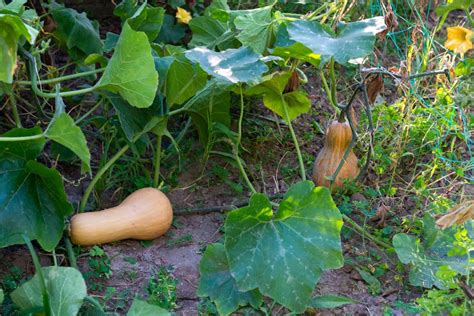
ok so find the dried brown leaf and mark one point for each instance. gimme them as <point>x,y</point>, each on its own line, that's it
<point>457,215</point>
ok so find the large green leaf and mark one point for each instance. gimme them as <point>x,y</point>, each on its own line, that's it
<point>136,121</point>
<point>283,254</point>
<point>74,30</point>
<point>425,262</point>
<point>131,70</point>
<point>142,308</point>
<point>64,131</point>
<point>272,88</point>
<point>32,202</point>
<point>183,80</point>
<point>286,48</point>
<point>352,42</point>
<point>148,20</point>
<point>217,283</point>
<point>24,150</point>
<point>210,105</point>
<point>255,27</point>
<point>240,65</point>
<point>66,290</point>
<point>12,29</point>
<point>171,32</point>
<point>207,31</point>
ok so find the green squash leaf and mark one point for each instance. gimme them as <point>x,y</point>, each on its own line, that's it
<point>210,105</point>
<point>136,121</point>
<point>255,26</point>
<point>283,254</point>
<point>64,131</point>
<point>351,44</point>
<point>183,80</point>
<point>32,202</point>
<point>65,286</point>
<point>74,30</point>
<point>131,70</point>
<point>208,32</point>
<point>12,29</point>
<point>217,283</point>
<point>331,301</point>
<point>171,32</point>
<point>425,261</point>
<point>24,150</point>
<point>240,65</point>
<point>272,88</point>
<point>286,48</point>
<point>148,20</point>
<point>142,308</point>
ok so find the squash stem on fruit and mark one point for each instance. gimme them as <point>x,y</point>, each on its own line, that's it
<point>99,174</point>
<point>364,233</point>
<point>63,78</point>
<point>70,252</point>
<point>156,178</point>
<point>16,116</point>
<point>295,139</point>
<point>39,271</point>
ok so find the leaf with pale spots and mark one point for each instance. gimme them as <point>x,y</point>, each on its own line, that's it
<point>283,254</point>
<point>217,282</point>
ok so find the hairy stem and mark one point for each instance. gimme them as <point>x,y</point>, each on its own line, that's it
<point>364,233</point>
<point>63,78</point>
<point>16,116</point>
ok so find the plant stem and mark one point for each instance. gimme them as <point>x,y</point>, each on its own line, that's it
<point>94,302</point>
<point>295,139</point>
<point>328,91</point>
<point>242,170</point>
<point>16,116</point>
<point>39,271</point>
<point>156,179</point>
<point>21,138</point>
<point>241,116</point>
<point>99,174</point>
<point>361,231</point>
<point>332,75</point>
<point>70,252</point>
<point>95,107</point>
<point>63,78</point>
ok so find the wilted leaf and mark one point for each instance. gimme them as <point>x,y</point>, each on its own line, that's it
<point>12,29</point>
<point>131,70</point>
<point>217,283</point>
<point>457,215</point>
<point>283,253</point>
<point>65,286</point>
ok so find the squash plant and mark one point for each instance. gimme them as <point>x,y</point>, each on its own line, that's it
<point>270,249</point>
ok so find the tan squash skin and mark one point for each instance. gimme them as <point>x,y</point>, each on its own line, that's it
<point>145,214</point>
<point>338,138</point>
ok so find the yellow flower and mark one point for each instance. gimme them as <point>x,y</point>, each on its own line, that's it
<point>183,16</point>
<point>459,39</point>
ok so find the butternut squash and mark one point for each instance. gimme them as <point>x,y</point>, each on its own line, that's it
<point>338,139</point>
<point>145,214</point>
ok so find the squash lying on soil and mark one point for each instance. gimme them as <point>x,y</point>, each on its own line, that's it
<point>145,214</point>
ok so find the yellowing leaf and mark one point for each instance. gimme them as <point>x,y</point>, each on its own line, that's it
<point>459,39</point>
<point>183,16</point>
<point>457,215</point>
